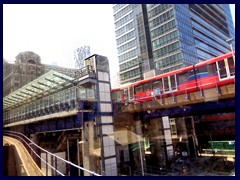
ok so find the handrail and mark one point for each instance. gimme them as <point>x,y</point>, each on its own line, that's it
<point>28,144</point>
<point>32,143</point>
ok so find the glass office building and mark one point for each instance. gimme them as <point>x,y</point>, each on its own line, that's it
<point>165,37</point>
<point>133,40</point>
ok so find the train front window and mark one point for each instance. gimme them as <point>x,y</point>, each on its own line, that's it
<point>191,75</point>
<point>173,82</point>
<point>146,87</point>
<point>202,72</point>
<point>222,70</point>
<point>119,95</point>
<point>158,87</point>
<point>138,89</point>
<point>231,66</point>
<point>182,77</point>
<point>125,94</point>
<point>131,93</point>
<point>226,68</point>
<point>166,85</point>
<point>158,84</point>
<point>170,83</point>
<point>212,69</point>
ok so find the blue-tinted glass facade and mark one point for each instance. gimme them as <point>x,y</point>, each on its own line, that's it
<point>130,29</point>
<point>169,36</point>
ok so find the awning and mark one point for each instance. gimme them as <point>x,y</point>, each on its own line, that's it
<point>49,82</point>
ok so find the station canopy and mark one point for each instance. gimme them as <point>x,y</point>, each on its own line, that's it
<point>45,84</point>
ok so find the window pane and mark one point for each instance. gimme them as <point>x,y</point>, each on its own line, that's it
<point>231,66</point>
<point>138,89</point>
<point>173,82</point>
<point>166,85</point>
<point>222,69</point>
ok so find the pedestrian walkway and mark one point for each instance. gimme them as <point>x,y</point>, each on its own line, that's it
<point>29,166</point>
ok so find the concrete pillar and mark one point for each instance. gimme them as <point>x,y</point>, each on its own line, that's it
<point>195,139</point>
<point>87,138</point>
<point>109,163</point>
<point>137,141</point>
<point>155,134</point>
<point>168,145</point>
<point>104,120</point>
<point>192,138</point>
<point>182,144</point>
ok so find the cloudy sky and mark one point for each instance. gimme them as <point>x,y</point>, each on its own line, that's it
<point>54,31</point>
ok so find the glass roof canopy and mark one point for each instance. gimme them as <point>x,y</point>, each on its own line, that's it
<point>48,82</point>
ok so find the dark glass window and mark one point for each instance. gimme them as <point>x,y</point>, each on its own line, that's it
<point>166,85</point>
<point>158,84</point>
<point>138,89</point>
<point>222,69</point>
<point>173,82</point>
<point>131,93</point>
<point>147,87</point>
<point>125,93</point>
<point>212,69</point>
<point>202,71</point>
<point>182,77</point>
<point>231,66</point>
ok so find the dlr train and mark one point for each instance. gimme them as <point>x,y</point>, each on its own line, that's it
<point>214,72</point>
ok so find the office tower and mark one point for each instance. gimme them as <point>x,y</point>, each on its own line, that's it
<point>133,40</point>
<point>165,37</point>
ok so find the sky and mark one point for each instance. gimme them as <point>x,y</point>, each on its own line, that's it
<point>54,31</point>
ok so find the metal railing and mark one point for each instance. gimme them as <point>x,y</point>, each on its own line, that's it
<point>84,71</point>
<point>35,150</point>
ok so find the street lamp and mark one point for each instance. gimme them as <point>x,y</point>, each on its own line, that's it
<point>229,41</point>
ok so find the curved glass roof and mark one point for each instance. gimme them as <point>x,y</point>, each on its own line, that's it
<point>45,84</point>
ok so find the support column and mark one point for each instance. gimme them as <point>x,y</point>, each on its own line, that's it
<point>155,133</point>
<point>102,128</point>
<point>109,164</point>
<point>168,145</point>
<point>137,147</point>
<point>87,151</point>
<point>192,138</point>
<point>195,139</point>
<point>182,144</point>
<point>109,160</point>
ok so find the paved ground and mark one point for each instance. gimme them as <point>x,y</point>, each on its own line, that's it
<point>207,166</point>
<point>29,165</point>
